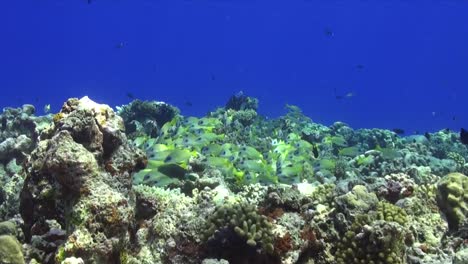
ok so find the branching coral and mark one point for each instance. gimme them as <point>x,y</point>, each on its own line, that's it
<point>244,220</point>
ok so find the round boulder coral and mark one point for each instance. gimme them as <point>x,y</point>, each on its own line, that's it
<point>452,197</point>
<point>10,250</point>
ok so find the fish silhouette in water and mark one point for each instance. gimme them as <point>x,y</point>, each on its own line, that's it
<point>120,45</point>
<point>130,95</point>
<point>339,97</point>
<point>398,131</point>
<point>329,32</point>
<point>464,136</point>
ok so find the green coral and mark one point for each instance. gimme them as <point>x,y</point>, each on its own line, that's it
<point>245,221</point>
<point>426,191</point>
<point>10,250</point>
<point>377,242</point>
<point>358,200</point>
<point>245,117</point>
<point>459,159</point>
<point>452,198</point>
<point>8,228</point>
<point>376,233</point>
<point>324,194</point>
<point>389,212</point>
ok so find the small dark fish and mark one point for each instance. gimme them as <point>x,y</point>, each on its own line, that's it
<point>130,95</point>
<point>398,131</point>
<point>337,97</point>
<point>329,33</point>
<point>315,151</point>
<point>120,45</point>
<point>427,135</point>
<point>89,1</point>
<point>188,103</point>
<point>359,66</point>
<point>454,118</point>
<point>464,136</point>
<point>212,77</point>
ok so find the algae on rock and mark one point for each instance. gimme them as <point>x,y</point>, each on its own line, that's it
<point>80,178</point>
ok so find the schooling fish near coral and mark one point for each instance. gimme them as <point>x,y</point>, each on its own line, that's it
<point>219,188</point>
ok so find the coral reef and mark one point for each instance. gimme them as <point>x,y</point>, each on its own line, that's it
<point>380,242</point>
<point>145,118</point>
<point>11,181</point>
<point>452,197</point>
<point>148,185</point>
<point>246,223</point>
<point>77,194</point>
<point>328,181</point>
<point>19,134</point>
<point>240,101</point>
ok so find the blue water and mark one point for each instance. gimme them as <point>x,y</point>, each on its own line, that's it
<point>405,62</point>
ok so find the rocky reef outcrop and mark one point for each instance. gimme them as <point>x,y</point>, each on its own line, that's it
<point>77,198</point>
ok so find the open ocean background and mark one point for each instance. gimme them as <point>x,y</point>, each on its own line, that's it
<point>405,62</point>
